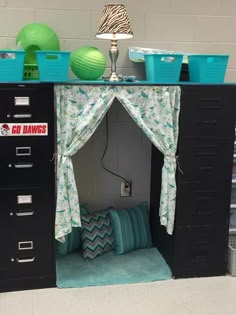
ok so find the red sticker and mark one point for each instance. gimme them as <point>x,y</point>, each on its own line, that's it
<point>24,129</point>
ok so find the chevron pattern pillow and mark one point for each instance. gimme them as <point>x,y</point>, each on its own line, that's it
<point>96,234</point>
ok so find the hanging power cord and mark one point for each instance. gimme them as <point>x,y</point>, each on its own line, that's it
<point>104,153</point>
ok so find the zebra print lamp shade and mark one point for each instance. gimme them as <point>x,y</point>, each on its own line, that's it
<point>114,25</point>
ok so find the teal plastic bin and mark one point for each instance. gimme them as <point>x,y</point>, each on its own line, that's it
<point>163,68</point>
<point>207,68</point>
<point>11,65</point>
<point>53,66</point>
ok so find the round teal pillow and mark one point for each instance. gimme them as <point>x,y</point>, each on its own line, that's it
<point>88,63</point>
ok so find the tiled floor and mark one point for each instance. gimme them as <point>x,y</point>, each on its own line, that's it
<point>204,296</point>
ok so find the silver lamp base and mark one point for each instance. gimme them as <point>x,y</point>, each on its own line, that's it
<point>114,77</point>
<point>113,53</point>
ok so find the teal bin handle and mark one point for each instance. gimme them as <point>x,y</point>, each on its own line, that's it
<point>7,56</point>
<point>169,59</point>
<point>52,57</point>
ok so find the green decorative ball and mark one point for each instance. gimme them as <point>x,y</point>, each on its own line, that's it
<point>88,63</point>
<point>36,36</point>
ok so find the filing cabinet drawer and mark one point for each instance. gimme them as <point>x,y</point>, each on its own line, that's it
<point>205,158</point>
<point>233,193</point>
<point>232,221</point>
<point>26,208</point>
<point>201,204</point>
<point>234,169</point>
<point>25,161</point>
<point>235,144</point>
<point>26,236</point>
<point>208,111</point>
<point>26,102</point>
<point>200,251</point>
<point>26,255</point>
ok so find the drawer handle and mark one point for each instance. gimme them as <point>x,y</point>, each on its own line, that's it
<point>202,212</point>
<point>192,182</point>
<point>206,154</point>
<point>207,123</point>
<point>207,198</point>
<point>207,146</point>
<point>23,165</point>
<point>206,168</point>
<point>204,192</point>
<point>24,261</point>
<point>210,103</point>
<point>17,116</point>
<point>201,258</point>
<point>20,213</point>
<point>210,107</point>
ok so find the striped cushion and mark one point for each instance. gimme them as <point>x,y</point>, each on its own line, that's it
<point>96,234</point>
<point>131,228</point>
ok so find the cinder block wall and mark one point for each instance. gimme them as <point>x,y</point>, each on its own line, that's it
<point>203,26</point>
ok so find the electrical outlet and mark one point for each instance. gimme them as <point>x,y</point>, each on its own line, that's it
<point>125,189</point>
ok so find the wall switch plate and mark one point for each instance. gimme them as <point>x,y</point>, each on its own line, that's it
<point>125,189</point>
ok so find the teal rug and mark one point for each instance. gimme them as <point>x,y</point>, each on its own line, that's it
<point>143,265</point>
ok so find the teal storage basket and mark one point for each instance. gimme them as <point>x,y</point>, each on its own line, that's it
<point>207,68</point>
<point>53,66</point>
<point>163,68</point>
<point>11,65</point>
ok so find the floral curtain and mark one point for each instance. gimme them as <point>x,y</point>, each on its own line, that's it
<point>81,108</point>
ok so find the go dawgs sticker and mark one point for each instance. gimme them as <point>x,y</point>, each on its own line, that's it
<point>24,129</point>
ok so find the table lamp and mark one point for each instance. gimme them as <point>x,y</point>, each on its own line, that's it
<point>114,25</point>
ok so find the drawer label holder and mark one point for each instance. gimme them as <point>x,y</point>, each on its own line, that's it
<point>23,129</point>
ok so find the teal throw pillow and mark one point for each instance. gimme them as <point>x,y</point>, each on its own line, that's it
<point>72,240</point>
<point>131,228</point>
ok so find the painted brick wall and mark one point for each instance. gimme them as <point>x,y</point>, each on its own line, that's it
<point>204,26</point>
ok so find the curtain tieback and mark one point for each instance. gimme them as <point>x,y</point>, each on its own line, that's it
<point>58,155</point>
<point>171,156</point>
<point>55,158</point>
<point>176,158</point>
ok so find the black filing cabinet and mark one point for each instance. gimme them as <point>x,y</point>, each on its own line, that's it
<point>232,222</point>
<point>27,186</point>
<point>198,246</point>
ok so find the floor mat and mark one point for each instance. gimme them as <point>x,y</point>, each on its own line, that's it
<point>143,265</point>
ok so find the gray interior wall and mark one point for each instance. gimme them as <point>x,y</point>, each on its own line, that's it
<point>128,154</point>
